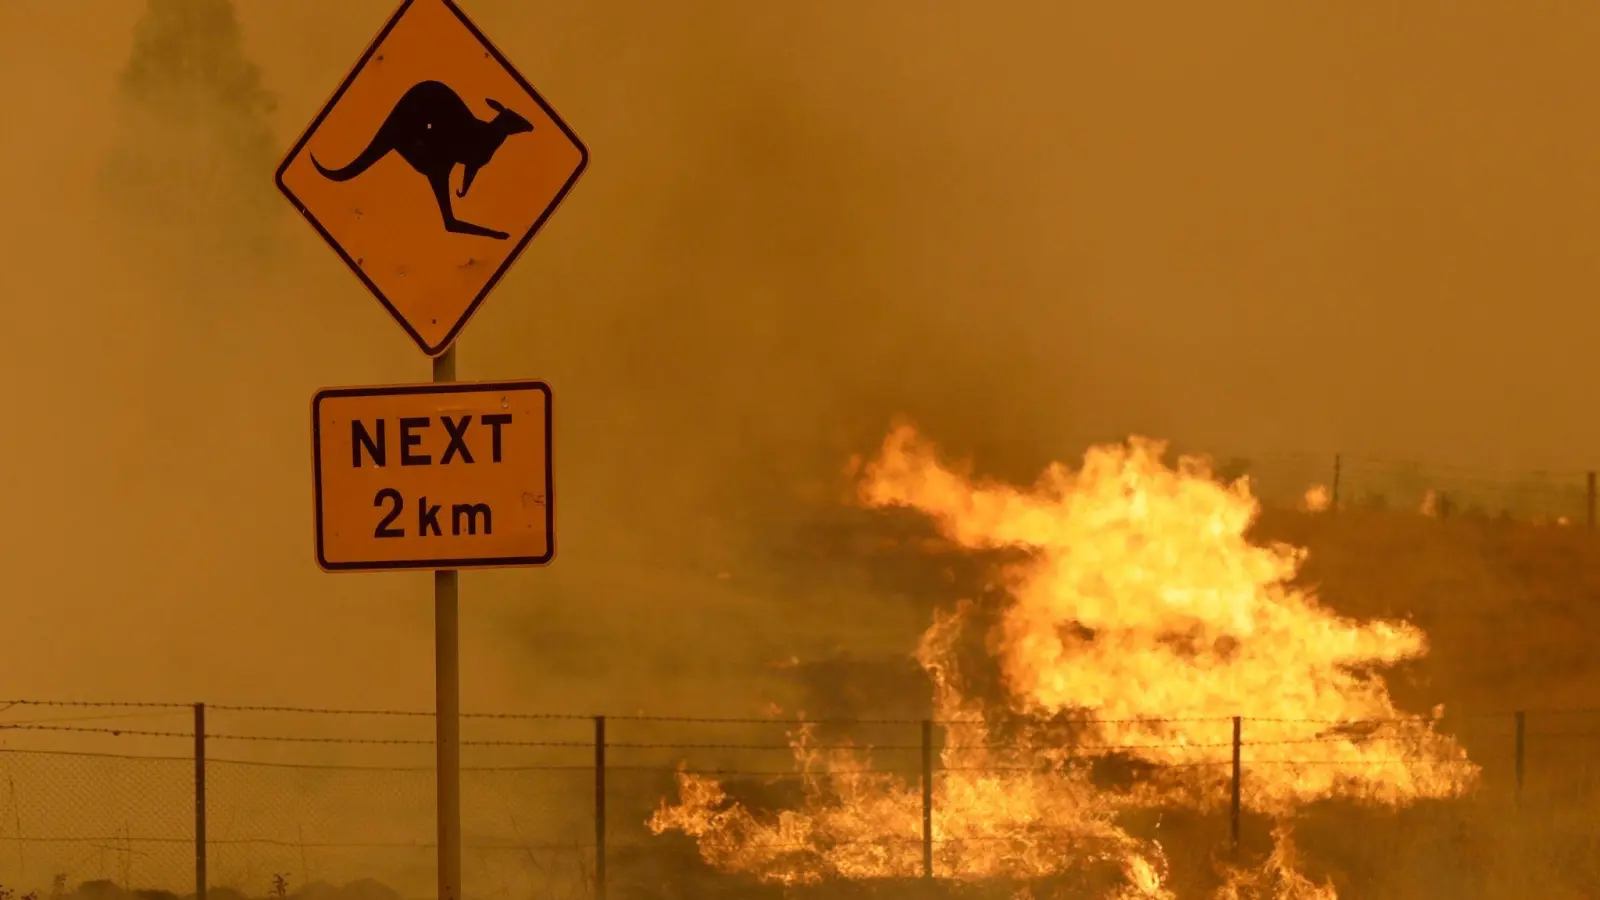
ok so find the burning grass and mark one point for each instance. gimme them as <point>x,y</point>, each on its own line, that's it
<point>1141,612</point>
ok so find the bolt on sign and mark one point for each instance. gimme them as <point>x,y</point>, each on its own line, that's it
<point>433,476</point>
<point>431,168</point>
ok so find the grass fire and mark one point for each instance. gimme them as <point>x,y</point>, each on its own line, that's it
<point>1241,540</point>
<point>1139,620</point>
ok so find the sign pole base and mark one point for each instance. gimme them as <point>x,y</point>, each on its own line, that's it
<point>447,699</point>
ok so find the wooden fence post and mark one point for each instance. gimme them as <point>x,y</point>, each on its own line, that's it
<point>600,807</point>
<point>1233,804</point>
<point>1333,500</point>
<point>200,876</point>
<point>1522,730</point>
<point>927,798</point>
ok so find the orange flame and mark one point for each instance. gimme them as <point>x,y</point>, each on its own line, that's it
<point>1141,622</point>
<point>1318,498</point>
<point>1430,503</point>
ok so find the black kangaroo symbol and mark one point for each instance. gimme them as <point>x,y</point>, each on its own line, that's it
<point>433,129</point>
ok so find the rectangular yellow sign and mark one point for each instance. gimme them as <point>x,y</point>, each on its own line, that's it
<point>433,476</point>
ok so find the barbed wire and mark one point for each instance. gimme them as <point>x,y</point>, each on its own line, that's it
<point>702,772</point>
<point>985,746</point>
<point>97,704</point>
<point>1063,750</point>
<point>506,847</point>
<point>284,739</point>
<point>1334,731</point>
<point>750,720</point>
<point>287,844</point>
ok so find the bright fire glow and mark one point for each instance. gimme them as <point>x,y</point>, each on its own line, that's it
<point>1318,498</point>
<point>1140,621</point>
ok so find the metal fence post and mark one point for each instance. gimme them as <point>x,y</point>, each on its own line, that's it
<point>200,801</point>
<point>1522,729</point>
<point>927,798</point>
<point>600,807</point>
<point>1233,803</point>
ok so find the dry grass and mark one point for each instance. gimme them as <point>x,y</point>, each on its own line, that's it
<point>1510,609</point>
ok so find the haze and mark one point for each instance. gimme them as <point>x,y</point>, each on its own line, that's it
<point>1260,226</point>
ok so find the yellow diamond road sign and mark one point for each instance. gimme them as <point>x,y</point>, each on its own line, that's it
<point>431,168</point>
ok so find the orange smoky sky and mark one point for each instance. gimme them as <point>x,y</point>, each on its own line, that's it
<point>1248,225</point>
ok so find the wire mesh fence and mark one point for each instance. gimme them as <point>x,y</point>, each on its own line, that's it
<point>580,807</point>
<point>1287,480</point>
<point>98,816</point>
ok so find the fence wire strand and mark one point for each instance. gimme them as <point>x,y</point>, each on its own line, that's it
<point>87,800</point>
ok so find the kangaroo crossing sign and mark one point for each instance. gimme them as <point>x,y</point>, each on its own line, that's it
<point>433,476</point>
<point>375,173</point>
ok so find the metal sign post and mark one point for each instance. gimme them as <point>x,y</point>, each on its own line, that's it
<point>447,697</point>
<point>428,172</point>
